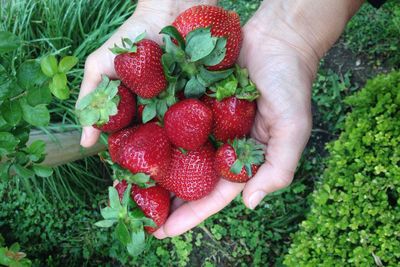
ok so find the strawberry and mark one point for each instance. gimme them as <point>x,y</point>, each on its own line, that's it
<point>233,117</point>
<point>240,160</point>
<point>188,124</point>
<point>191,175</point>
<point>234,106</point>
<point>116,141</point>
<point>146,150</point>
<point>109,108</point>
<point>138,65</point>
<point>223,23</point>
<point>153,201</point>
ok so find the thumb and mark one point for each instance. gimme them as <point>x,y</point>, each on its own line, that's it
<point>284,150</point>
<point>91,79</point>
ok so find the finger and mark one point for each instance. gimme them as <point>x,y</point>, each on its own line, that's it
<point>283,153</point>
<point>192,213</point>
<point>176,203</point>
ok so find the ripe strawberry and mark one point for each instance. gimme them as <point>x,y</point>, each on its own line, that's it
<point>233,118</point>
<point>223,23</point>
<point>239,161</point>
<point>109,108</point>
<point>146,150</point>
<point>191,175</point>
<point>117,140</point>
<point>139,66</point>
<point>153,201</point>
<point>233,106</point>
<point>188,124</point>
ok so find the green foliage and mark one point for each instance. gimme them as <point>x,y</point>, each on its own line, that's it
<point>376,32</point>
<point>244,8</point>
<point>329,90</point>
<point>12,256</point>
<point>355,213</point>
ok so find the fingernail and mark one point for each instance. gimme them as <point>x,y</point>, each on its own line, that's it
<point>160,234</point>
<point>256,198</point>
<point>83,137</point>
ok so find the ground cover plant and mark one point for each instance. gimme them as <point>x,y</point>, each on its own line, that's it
<point>234,237</point>
<point>355,210</point>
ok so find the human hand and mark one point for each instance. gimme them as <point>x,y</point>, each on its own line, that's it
<point>150,16</point>
<point>282,46</point>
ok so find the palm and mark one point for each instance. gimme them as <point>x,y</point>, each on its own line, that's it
<point>282,123</point>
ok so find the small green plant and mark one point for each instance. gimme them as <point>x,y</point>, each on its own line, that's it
<point>12,256</point>
<point>25,95</point>
<point>355,212</point>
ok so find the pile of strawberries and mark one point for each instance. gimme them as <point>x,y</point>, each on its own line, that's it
<point>178,120</point>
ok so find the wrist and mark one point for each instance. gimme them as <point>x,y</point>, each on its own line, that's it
<point>316,24</point>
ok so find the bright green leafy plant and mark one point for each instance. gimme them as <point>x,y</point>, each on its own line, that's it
<point>25,93</point>
<point>12,256</point>
<point>355,213</point>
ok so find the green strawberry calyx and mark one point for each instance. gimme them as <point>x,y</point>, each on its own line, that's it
<point>97,107</point>
<point>140,179</point>
<point>158,106</point>
<point>128,218</point>
<point>188,61</point>
<point>237,84</point>
<point>128,46</point>
<point>248,152</point>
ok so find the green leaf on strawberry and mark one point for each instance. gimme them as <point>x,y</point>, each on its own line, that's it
<point>99,105</point>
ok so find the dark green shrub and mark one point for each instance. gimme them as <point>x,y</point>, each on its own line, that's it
<point>355,214</point>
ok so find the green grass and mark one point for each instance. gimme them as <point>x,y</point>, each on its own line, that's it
<point>234,237</point>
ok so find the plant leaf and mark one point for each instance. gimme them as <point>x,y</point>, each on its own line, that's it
<point>137,244</point>
<point>199,44</point>
<point>122,233</point>
<point>105,223</point>
<point>38,115</point>
<point>237,167</point>
<point>30,75</point>
<point>4,167</point>
<point>67,63</point>
<point>210,77</point>
<point>8,42</point>
<point>22,171</point>
<point>114,198</point>
<point>7,143</point>
<point>39,95</point>
<point>48,64</point>
<point>42,171</point>
<point>194,89</point>
<point>11,112</point>
<point>109,213</point>
<point>217,55</point>
<point>172,32</point>
<point>149,112</point>
<point>58,86</point>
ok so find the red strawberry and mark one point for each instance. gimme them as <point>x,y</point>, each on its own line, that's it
<point>109,108</point>
<point>146,150</point>
<point>153,201</point>
<point>139,67</point>
<point>188,123</point>
<point>223,23</point>
<point>233,118</point>
<point>116,141</point>
<point>126,112</point>
<point>191,175</point>
<point>239,161</point>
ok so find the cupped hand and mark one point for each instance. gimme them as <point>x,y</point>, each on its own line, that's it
<point>282,65</point>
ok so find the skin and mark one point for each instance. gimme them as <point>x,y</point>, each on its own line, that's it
<point>283,43</point>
